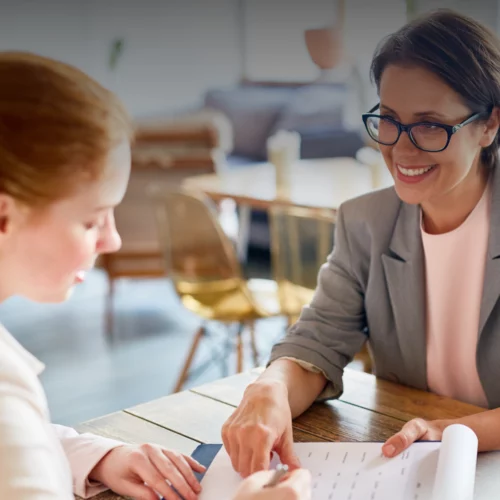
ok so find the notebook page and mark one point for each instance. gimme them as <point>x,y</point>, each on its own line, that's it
<point>345,471</point>
<point>487,476</point>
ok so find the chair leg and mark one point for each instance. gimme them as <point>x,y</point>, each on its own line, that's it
<point>239,349</point>
<point>109,313</point>
<point>366,359</point>
<point>291,320</point>
<point>362,361</point>
<point>228,349</point>
<point>253,344</point>
<point>189,360</point>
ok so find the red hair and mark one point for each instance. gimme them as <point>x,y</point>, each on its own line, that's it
<point>57,126</point>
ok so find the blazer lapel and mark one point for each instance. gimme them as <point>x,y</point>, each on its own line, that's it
<point>491,285</point>
<point>405,276</point>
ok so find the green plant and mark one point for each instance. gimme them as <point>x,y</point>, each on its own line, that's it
<point>115,52</point>
<point>411,9</point>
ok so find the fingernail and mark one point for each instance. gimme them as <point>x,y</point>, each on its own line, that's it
<point>389,450</point>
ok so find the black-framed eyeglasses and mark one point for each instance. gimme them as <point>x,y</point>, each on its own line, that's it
<point>428,136</point>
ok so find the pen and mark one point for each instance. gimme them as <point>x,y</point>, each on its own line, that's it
<point>280,471</point>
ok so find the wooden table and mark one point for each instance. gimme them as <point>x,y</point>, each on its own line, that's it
<point>369,410</point>
<point>321,183</point>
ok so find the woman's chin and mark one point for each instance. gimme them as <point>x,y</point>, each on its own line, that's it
<point>52,297</point>
<point>408,195</point>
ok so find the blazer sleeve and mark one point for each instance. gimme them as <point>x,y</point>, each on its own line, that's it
<point>331,330</point>
<point>83,452</point>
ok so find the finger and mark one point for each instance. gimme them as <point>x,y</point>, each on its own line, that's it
<point>286,452</point>
<point>299,480</point>
<point>245,460</point>
<point>235,455</point>
<point>195,465</point>
<point>172,495</point>
<point>226,436</point>
<point>252,486</point>
<point>255,451</point>
<point>261,457</point>
<point>168,470</point>
<point>412,431</point>
<point>257,481</point>
<point>182,465</point>
<point>298,477</point>
<point>156,480</point>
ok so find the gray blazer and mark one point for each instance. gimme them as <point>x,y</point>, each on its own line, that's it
<point>373,285</point>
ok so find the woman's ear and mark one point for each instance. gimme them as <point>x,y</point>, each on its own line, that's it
<point>9,213</point>
<point>490,128</point>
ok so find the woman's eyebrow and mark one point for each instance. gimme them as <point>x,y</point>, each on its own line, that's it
<point>431,113</point>
<point>104,207</point>
<point>420,114</point>
<point>387,108</point>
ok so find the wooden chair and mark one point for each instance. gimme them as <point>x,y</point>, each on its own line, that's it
<point>202,263</point>
<point>164,153</point>
<point>301,240</point>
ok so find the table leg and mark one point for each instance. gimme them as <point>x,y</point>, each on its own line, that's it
<point>253,344</point>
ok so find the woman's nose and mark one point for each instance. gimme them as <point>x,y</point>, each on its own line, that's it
<point>110,240</point>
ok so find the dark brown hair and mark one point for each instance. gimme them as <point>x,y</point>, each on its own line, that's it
<point>461,51</point>
<point>57,127</point>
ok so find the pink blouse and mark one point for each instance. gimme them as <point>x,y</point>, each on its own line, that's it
<point>455,264</point>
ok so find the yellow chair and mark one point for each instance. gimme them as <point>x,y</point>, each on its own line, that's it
<point>202,263</point>
<point>301,240</point>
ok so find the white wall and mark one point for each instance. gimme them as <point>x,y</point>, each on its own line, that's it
<point>366,24</point>
<point>51,28</point>
<point>174,49</point>
<point>484,11</point>
<point>274,37</point>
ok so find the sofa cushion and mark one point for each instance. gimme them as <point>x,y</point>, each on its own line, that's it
<point>253,112</point>
<point>314,107</point>
<point>330,143</point>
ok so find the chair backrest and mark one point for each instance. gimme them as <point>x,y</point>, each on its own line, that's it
<point>141,254</point>
<point>301,240</point>
<point>196,248</point>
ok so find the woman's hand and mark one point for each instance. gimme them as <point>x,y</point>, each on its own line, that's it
<point>414,430</point>
<point>127,468</point>
<point>262,423</point>
<point>295,486</point>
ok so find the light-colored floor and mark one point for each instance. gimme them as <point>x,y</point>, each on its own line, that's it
<point>87,377</point>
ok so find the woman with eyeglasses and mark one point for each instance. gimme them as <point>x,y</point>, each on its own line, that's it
<point>415,269</point>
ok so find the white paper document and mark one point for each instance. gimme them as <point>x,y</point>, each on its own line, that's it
<point>359,471</point>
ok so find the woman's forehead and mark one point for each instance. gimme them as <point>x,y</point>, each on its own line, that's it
<point>104,192</point>
<point>414,90</point>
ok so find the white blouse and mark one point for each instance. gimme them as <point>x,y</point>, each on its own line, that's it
<point>38,460</point>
